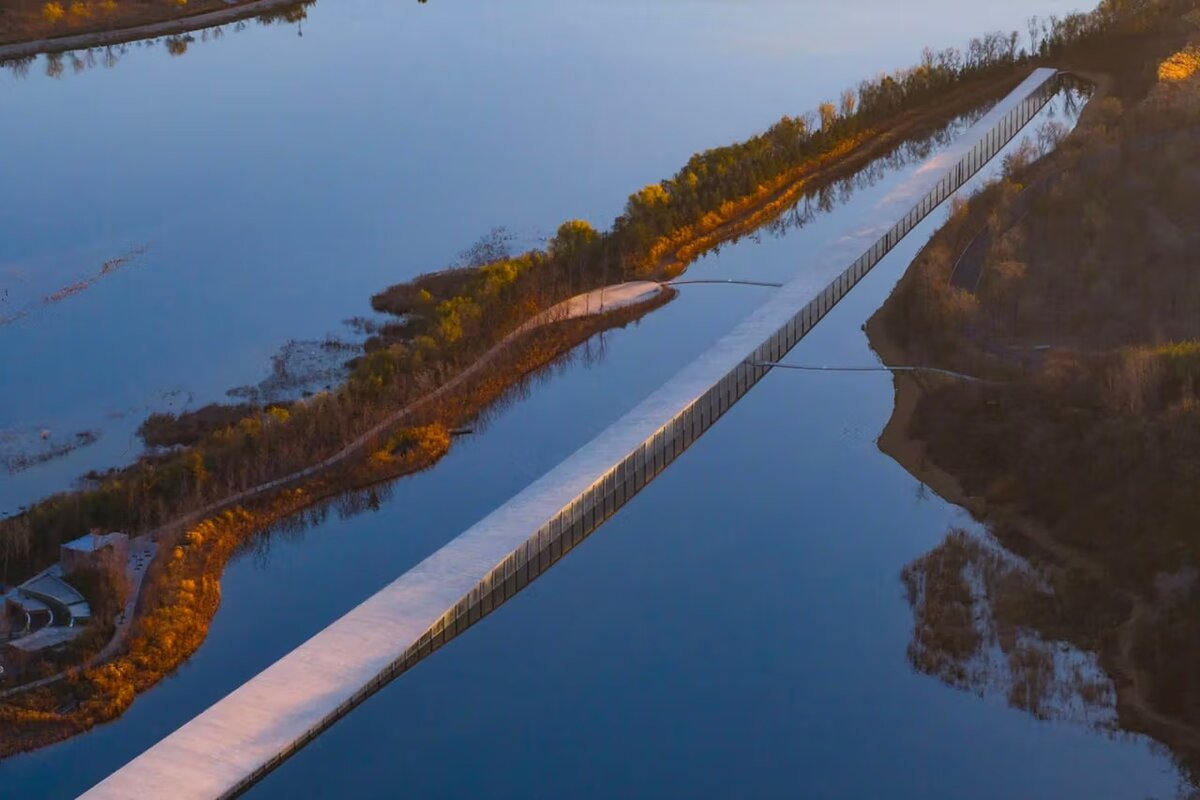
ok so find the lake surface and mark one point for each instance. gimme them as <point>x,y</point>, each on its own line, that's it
<point>738,630</point>
<point>276,180</point>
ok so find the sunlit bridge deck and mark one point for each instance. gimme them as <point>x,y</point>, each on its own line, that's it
<point>246,734</point>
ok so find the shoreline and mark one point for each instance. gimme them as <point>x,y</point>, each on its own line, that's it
<point>910,452</point>
<point>672,258</point>
<point>17,50</point>
<point>895,441</point>
<point>464,580</point>
<point>629,297</point>
<point>214,537</point>
<point>754,210</point>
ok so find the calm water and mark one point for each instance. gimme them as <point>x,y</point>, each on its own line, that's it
<point>276,181</point>
<point>739,629</point>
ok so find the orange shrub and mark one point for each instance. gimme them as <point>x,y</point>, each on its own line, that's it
<point>1180,66</point>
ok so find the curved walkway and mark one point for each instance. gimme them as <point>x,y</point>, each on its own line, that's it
<point>596,302</point>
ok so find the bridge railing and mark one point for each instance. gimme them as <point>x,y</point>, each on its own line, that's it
<point>619,484</point>
<point>624,480</point>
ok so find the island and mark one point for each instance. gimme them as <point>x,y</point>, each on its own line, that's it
<point>458,339</point>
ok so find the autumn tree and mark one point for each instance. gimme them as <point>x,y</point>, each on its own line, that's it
<point>829,116</point>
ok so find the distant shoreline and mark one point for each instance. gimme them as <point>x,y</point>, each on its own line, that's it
<point>14,51</point>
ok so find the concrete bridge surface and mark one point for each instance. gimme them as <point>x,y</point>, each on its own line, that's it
<point>243,736</point>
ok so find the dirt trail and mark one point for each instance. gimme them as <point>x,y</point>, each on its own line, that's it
<point>596,302</point>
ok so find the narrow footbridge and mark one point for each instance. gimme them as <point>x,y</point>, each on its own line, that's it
<point>242,737</point>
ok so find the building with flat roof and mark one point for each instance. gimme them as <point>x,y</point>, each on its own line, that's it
<point>95,550</point>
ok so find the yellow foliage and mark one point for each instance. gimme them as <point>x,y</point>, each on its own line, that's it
<point>414,445</point>
<point>734,217</point>
<point>280,415</point>
<point>53,12</point>
<point>498,275</point>
<point>579,227</point>
<point>452,314</point>
<point>79,10</point>
<point>652,195</point>
<point>1180,66</point>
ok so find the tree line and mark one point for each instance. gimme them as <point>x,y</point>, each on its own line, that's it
<point>446,320</point>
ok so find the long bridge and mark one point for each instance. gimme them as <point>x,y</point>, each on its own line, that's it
<point>238,740</point>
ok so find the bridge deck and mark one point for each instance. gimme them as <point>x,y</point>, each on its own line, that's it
<point>249,731</point>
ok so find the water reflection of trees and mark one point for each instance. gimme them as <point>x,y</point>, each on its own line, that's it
<point>1058,639</point>
<point>108,57</point>
<point>988,622</point>
<point>915,149</point>
<point>1091,611</point>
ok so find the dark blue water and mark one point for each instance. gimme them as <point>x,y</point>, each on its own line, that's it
<point>739,629</point>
